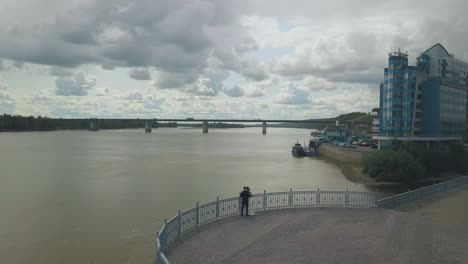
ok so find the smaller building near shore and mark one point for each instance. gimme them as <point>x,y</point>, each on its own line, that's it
<point>375,122</point>
<point>337,133</point>
<point>425,103</point>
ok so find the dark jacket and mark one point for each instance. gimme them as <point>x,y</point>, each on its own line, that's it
<point>245,195</point>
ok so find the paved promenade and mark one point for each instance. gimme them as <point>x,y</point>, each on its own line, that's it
<point>324,235</point>
<point>450,208</point>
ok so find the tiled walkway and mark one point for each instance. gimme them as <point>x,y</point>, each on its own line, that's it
<point>322,235</point>
<point>450,208</point>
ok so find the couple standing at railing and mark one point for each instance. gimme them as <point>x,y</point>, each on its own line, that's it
<point>245,195</point>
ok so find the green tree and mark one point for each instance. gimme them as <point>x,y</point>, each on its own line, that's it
<point>397,166</point>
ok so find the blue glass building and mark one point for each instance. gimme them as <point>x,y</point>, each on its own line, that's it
<point>426,102</point>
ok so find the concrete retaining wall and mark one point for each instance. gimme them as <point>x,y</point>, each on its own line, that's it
<point>342,154</point>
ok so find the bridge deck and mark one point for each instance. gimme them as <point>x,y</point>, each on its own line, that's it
<point>325,236</point>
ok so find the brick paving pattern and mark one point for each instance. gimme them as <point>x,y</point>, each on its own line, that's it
<point>324,235</point>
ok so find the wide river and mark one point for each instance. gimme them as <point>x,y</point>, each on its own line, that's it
<point>99,197</point>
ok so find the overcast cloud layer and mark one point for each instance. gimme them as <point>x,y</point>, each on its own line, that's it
<point>209,58</point>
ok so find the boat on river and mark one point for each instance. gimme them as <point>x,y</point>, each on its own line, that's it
<point>298,150</point>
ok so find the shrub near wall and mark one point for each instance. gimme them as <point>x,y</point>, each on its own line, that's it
<point>396,166</point>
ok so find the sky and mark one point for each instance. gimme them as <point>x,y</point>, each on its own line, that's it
<point>251,59</point>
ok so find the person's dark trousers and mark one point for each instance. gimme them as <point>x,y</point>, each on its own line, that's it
<point>245,203</point>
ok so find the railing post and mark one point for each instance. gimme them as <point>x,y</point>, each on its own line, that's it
<point>317,198</point>
<point>376,199</point>
<point>197,216</point>
<point>157,249</point>
<point>264,200</point>
<point>179,222</point>
<point>290,199</point>
<point>217,208</point>
<point>164,236</point>
<point>346,198</point>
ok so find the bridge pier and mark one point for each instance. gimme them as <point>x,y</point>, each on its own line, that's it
<point>148,126</point>
<point>205,127</point>
<point>93,125</point>
<point>264,126</point>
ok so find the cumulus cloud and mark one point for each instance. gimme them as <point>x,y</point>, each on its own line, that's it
<point>7,104</point>
<point>59,71</point>
<point>140,74</point>
<point>18,64</point>
<point>176,37</point>
<point>133,96</point>
<point>154,104</point>
<point>234,91</point>
<point>336,59</point>
<point>102,92</point>
<point>293,96</point>
<point>78,85</point>
<point>258,89</point>
<point>3,85</point>
<point>316,84</point>
<point>172,80</point>
<point>205,86</point>
<point>331,49</point>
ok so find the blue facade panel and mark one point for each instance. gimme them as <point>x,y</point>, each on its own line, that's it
<point>381,108</point>
<point>431,108</point>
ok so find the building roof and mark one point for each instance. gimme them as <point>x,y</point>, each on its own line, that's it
<point>438,45</point>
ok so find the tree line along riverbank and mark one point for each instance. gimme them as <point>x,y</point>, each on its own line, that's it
<point>40,123</point>
<point>406,164</point>
<point>10,123</point>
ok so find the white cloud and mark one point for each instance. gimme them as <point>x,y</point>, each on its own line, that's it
<point>293,96</point>
<point>234,91</point>
<point>3,85</point>
<point>332,54</point>
<point>205,86</point>
<point>7,104</point>
<point>140,74</point>
<point>133,96</point>
<point>59,71</point>
<point>102,92</point>
<point>77,85</point>
<point>258,89</point>
<point>316,84</point>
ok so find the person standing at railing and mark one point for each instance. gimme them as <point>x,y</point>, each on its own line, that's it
<point>250,211</point>
<point>245,195</point>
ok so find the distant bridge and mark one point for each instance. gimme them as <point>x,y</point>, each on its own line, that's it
<point>94,122</point>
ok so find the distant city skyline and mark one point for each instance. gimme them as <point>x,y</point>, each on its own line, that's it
<point>211,59</point>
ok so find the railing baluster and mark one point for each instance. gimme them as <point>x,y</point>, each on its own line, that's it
<point>197,216</point>
<point>179,223</point>
<point>217,208</point>
<point>264,200</point>
<point>317,199</point>
<point>158,250</point>
<point>347,198</point>
<point>164,243</point>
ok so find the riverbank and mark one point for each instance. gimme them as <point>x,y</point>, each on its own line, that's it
<point>353,172</point>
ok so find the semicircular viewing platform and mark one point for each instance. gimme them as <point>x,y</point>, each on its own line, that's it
<point>324,235</point>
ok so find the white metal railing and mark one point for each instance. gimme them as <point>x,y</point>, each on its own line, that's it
<point>191,219</point>
<point>407,198</point>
